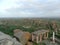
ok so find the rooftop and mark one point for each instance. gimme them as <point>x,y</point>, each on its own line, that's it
<point>40,32</point>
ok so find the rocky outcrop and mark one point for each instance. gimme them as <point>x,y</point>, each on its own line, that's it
<point>8,40</point>
<point>24,37</point>
<point>29,43</point>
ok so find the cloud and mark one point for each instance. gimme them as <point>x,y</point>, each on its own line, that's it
<point>30,8</point>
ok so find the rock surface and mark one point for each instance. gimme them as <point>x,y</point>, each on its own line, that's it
<point>22,36</point>
<point>8,40</point>
<point>29,43</point>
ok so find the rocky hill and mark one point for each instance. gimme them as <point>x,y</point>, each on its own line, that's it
<point>8,40</point>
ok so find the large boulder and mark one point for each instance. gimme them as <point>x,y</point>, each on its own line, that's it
<point>29,43</point>
<point>27,35</point>
<point>23,37</point>
<point>8,40</point>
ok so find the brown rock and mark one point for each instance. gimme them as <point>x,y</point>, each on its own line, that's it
<point>27,35</point>
<point>29,43</point>
<point>16,30</point>
<point>25,38</point>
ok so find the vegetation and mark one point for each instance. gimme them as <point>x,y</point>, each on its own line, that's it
<point>8,29</point>
<point>8,25</point>
<point>39,43</point>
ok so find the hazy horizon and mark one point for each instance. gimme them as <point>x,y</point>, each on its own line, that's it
<point>29,8</point>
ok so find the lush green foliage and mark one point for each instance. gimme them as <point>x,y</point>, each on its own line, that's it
<point>8,29</point>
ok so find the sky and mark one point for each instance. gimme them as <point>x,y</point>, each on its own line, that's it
<point>29,8</point>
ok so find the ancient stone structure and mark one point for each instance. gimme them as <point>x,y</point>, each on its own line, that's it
<point>39,35</point>
<point>53,37</point>
<point>55,27</point>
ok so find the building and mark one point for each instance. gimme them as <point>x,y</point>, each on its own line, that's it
<point>55,27</point>
<point>39,35</point>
